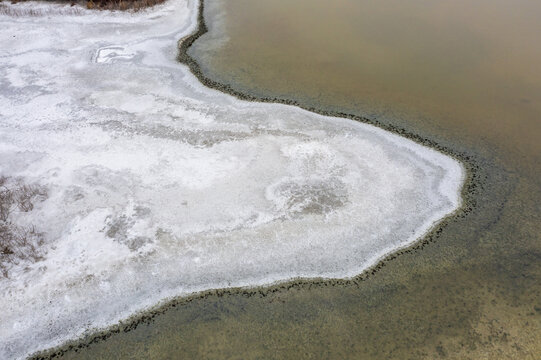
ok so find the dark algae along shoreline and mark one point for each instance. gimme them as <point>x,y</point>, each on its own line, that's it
<point>471,289</point>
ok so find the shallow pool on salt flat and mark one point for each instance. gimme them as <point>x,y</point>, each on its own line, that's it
<point>159,187</point>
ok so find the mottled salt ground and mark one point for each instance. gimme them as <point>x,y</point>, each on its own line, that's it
<point>159,187</point>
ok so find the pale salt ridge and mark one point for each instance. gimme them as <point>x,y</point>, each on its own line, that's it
<point>159,187</point>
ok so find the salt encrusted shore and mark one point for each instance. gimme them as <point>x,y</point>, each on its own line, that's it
<point>159,187</point>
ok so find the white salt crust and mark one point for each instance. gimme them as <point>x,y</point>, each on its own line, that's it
<point>160,187</point>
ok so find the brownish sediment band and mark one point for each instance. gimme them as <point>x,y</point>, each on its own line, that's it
<point>134,5</point>
<point>123,5</point>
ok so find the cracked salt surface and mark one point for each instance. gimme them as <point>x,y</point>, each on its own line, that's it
<point>160,187</point>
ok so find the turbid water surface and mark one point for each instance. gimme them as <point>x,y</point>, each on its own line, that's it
<point>464,74</point>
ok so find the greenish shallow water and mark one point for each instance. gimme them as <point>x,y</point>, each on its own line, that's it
<point>462,73</point>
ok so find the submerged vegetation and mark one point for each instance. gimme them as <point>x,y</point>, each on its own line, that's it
<point>134,5</point>
<point>122,4</point>
<point>18,243</point>
<point>29,12</point>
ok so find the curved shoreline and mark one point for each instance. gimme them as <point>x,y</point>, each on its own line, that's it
<point>467,204</point>
<point>469,183</point>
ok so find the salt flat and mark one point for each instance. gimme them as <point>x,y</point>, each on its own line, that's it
<point>159,187</point>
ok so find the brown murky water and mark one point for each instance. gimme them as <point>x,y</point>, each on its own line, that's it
<point>459,67</point>
<point>466,74</point>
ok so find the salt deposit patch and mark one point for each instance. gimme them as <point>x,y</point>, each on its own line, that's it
<point>159,187</point>
<point>113,53</point>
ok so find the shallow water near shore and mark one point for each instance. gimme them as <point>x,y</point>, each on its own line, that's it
<point>463,75</point>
